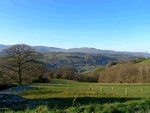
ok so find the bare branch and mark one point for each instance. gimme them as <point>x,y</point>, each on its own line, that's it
<point>17,59</point>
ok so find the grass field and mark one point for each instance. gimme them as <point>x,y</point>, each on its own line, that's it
<point>144,61</point>
<point>72,97</point>
<point>97,70</point>
<point>118,88</point>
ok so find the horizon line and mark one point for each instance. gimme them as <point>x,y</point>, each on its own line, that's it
<point>79,47</point>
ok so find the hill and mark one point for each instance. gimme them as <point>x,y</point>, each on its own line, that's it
<point>130,72</point>
<point>82,50</point>
<point>82,61</point>
<point>120,63</point>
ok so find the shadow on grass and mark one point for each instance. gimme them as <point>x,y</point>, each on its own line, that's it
<point>56,85</point>
<point>64,103</point>
<point>3,87</point>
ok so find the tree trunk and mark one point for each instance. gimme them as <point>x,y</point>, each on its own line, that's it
<point>20,80</point>
<point>19,72</point>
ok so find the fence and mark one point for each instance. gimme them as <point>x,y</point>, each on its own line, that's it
<point>116,90</point>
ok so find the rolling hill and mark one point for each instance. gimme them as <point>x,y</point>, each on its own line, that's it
<point>97,70</point>
<point>83,61</point>
<point>82,50</point>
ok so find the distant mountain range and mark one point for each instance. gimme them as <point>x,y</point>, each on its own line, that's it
<point>82,50</point>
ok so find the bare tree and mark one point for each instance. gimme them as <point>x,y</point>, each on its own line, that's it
<point>17,60</point>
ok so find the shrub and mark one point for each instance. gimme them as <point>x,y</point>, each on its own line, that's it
<point>119,81</point>
<point>70,75</point>
<point>41,79</point>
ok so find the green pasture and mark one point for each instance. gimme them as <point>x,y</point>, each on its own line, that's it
<point>144,61</point>
<point>61,85</point>
<point>73,96</point>
<point>97,69</point>
<point>90,68</point>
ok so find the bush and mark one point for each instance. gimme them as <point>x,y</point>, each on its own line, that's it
<point>41,79</point>
<point>119,81</point>
<point>70,75</point>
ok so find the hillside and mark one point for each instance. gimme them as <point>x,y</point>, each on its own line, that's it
<point>82,61</point>
<point>130,72</point>
<point>97,70</point>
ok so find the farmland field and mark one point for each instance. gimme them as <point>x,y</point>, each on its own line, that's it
<point>70,96</point>
<point>144,61</point>
<point>118,88</point>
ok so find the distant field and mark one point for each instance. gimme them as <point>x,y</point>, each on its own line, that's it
<point>120,57</point>
<point>144,61</point>
<point>82,60</point>
<point>97,69</point>
<point>87,72</point>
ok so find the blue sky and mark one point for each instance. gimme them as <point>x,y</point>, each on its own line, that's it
<point>120,25</point>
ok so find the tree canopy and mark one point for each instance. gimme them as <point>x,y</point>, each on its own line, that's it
<point>17,60</point>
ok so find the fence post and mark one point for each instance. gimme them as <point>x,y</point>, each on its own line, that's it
<point>125,90</point>
<point>100,88</point>
<point>10,90</point>
<point>80,87</point>
<point>112,89</point>
<point>142,91</point>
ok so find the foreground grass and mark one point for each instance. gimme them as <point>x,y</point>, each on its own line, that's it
<point>71,101</point>
<point>117,107</point>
